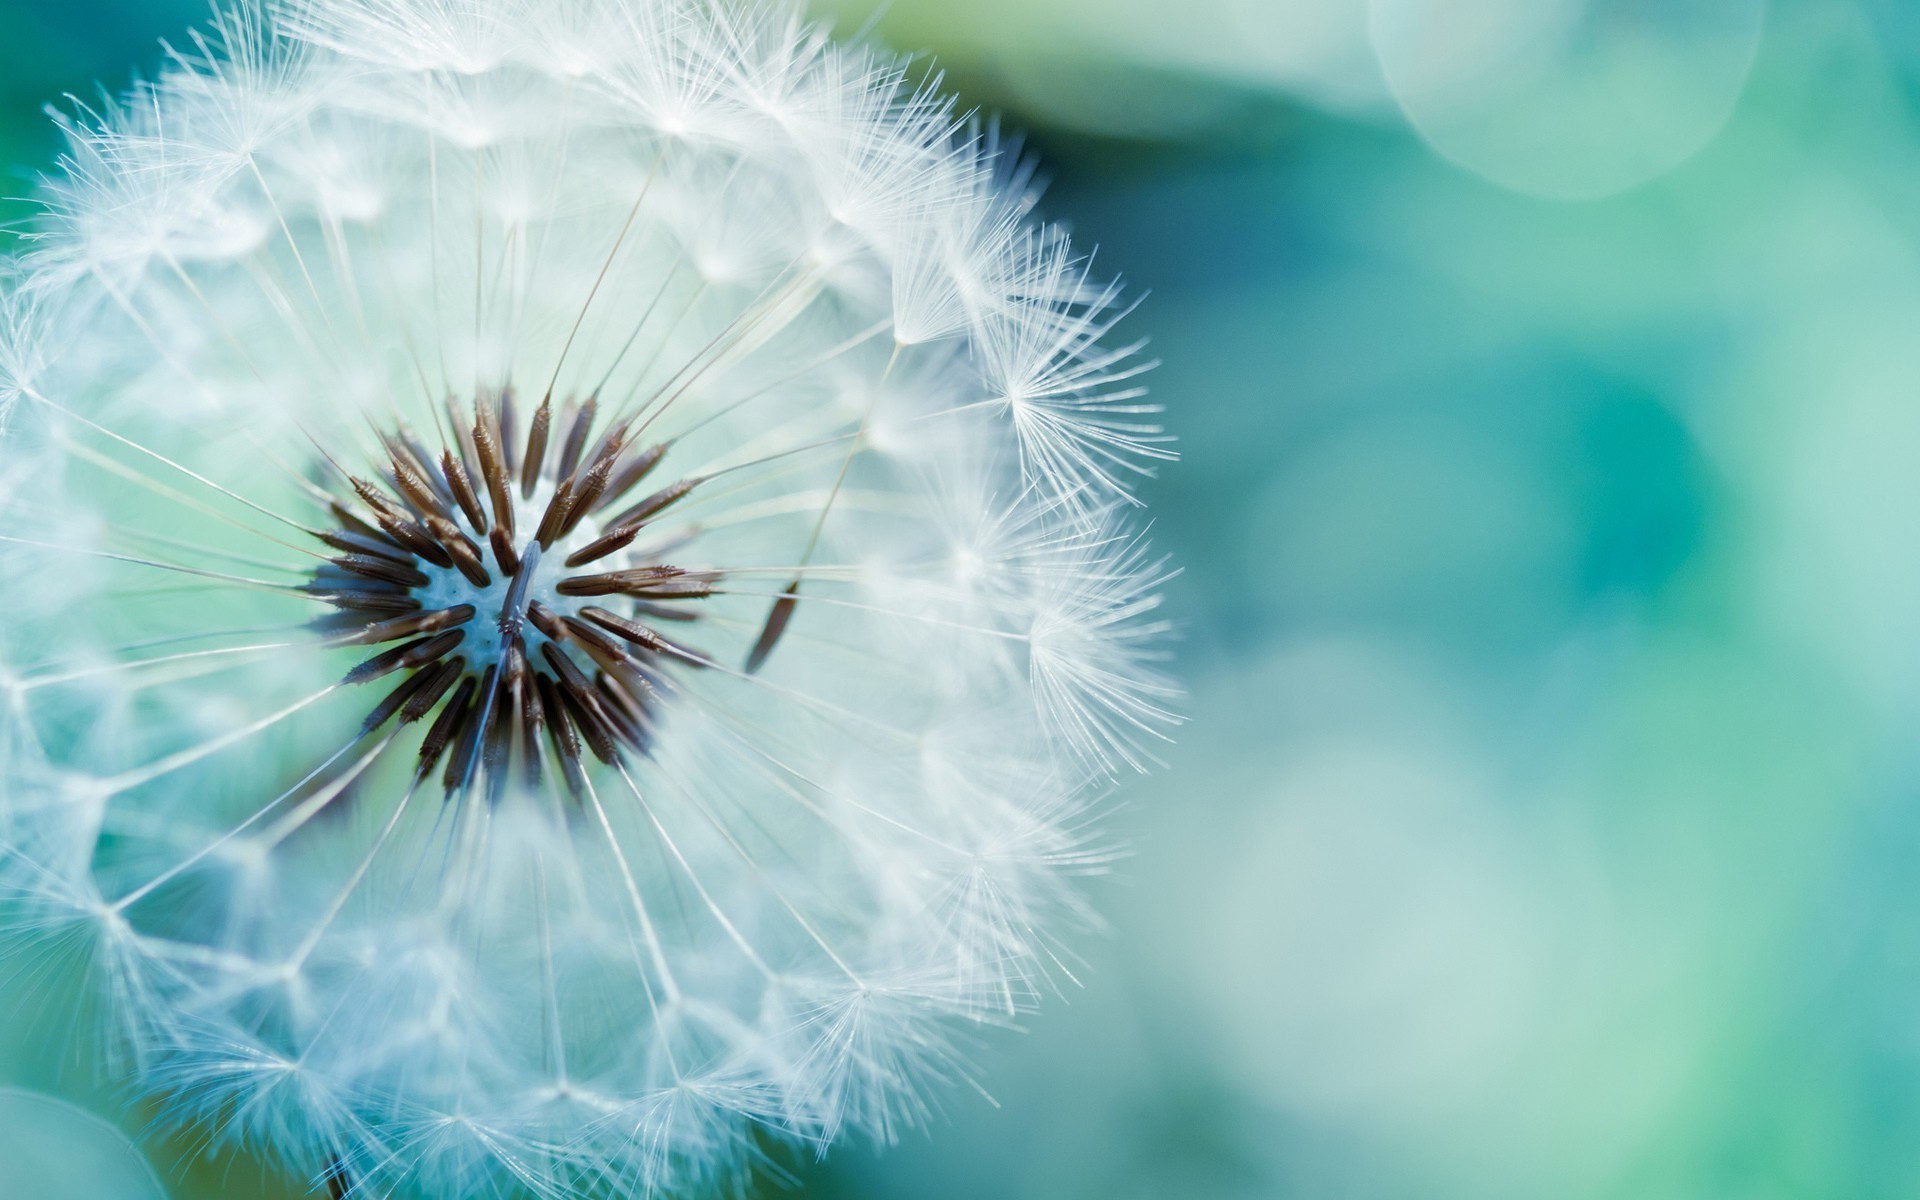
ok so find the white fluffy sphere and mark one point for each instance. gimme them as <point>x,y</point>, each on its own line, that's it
<point>570,586</point>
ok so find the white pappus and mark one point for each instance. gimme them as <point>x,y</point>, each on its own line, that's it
<point>571,587</point>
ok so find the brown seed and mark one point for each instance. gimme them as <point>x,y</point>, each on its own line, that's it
<point>622,721</point>
<point>375,546</point>
<point>353,524</point>
<point>576,439</point>
<point>657,503</point>
<point>367,601</point>
<point>555,514</point>
<point>584,707</point>
<point>493,466</point>
<point>601,648</point>
<point>465,758</point>
<point>461,549</point>
<point>632,472</point>
<point>462,438</point>
<point>607,543</point>
<point>526,693</point>
<point>663,612</point>
<point>384,569</point>
<point>412,654</point>
<point>509,425</point>
<point>544,620</point>
<point>423,463</point>
<point>599,676</point>
<point>463,493</point>
<point>565,738</point>
<point>776,625</point>
<point>596,728</point>
<point>439,677</point>
<point>445,728</point>
<point>633,631</point>
<point>408,626</point>
<point>503,552</point>
<point>423,685</point>
<point>403,529</point>
<point>413,485</point>
<point>536,449</point>
<point>593,482</point>
<point>633,695</point>
<point>639,581</point>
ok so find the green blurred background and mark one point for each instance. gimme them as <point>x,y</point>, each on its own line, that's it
<point>1548,820</point>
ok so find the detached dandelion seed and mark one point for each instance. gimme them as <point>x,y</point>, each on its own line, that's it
<point>571,587</point>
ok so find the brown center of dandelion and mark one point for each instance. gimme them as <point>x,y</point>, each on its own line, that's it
<point>517,598</point>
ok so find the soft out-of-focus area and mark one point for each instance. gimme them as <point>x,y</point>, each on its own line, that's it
<point>1548,380</point>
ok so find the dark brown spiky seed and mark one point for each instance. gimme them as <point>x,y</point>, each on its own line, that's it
<point>628,698</point>
<point>403,529</point>
<point>566,738</point>
<point>556,513</point>
<point>639,581</point>
<point>657,503</point>
<point>384,569</point>
<point>493,466</point>
<point>633,631</point>
<point>422,461</point>
<point>446,727</point>
<point>413,485</point>
<point>593,482</point>
<point>463,494</point>
<point>597,678</point>
<point>524,689</point>
<point>503,552</point>
<point>632,472</point>
<point>462,438</point>
<point>412,654</point>
<point>351,522</point>
<point>663,612</point>
<point>776,626</point>
<point>611,542</point>
<point>583,705</point>
<point>460,548</point>
<point>509,426</point>
<point>465,759</point>
<point>358,543</point>
<point>543,619</point>
<point>438,678</point>
<point>416,695</point>
<point>603,649</point>
<point>536,456</point>
<point>358,600</point>
<point>576,440</point>
<point>409,626</point>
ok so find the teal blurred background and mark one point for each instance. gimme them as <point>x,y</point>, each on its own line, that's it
<point>1548,821</point>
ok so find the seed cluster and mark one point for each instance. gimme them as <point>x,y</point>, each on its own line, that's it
<point>448,563</point>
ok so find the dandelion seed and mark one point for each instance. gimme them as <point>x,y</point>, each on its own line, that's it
<point>570,587</point>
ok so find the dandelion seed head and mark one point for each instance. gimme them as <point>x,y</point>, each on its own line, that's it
<point>573,588</point>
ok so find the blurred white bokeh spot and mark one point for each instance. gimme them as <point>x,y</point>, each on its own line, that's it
<point>1375,944</point>
<point>50,1150</point>
<point>1318,49</point>
<point>1567,99</point>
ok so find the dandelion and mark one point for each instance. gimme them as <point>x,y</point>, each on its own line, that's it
<point>571,587</point>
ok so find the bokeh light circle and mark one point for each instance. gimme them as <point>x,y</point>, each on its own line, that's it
<point>1567,99</point>
<point>54,1151</point>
